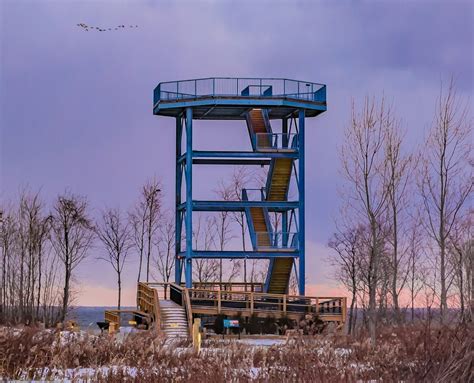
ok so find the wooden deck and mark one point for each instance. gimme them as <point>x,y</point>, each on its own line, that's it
<point>232,301</point>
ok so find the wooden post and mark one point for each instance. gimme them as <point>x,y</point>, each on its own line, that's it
<point>219,301</point>
<point>284,303</point>
<point>197,334</point>
<point>251,303</point>
<point>317,306</point>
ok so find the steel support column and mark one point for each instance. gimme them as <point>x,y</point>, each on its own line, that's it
<point>189,198</point>
<point>284,215</point>
<point>301,217</point>
<point>178,214</point>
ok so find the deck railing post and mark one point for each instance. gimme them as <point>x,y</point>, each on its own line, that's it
<point>219,301</point>
<point>251,303</point>
<point>317,306</point>
<point>284,303</point>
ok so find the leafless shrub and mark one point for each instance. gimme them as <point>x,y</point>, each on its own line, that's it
<point>405,353</point>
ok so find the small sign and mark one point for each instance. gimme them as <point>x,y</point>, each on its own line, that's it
<point>174,325</point>
<point>231,323</point>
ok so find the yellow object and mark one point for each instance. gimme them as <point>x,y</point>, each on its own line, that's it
<point>197,334</point>
<point>132,322</point>
<point>112,327</point>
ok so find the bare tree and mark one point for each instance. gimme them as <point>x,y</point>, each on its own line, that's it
<point>347,244</point>
<point>72,236</point>
<point>165,246</point>
<point>137,219</point>
<point>222,224</point>
<point>113,231</point>
<point>461,248</point>
<point>26,262</point>
<point>205,270</point>
<point>446,181</point>
<point>364,168</point>
<point>144,224</point>
<point>151,195</point>
<point>240,179</point>
<point>399,169</point>
<point>415,267</point>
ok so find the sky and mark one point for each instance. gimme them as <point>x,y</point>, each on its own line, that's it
<point>76,106</point>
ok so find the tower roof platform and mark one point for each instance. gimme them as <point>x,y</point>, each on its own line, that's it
<point>230,98</point>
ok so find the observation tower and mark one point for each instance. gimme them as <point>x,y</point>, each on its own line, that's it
<point>273,111</point>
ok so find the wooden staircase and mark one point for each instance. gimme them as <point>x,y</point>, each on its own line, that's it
<point>260,227</point>
<point>174,322</point>
<point>279,179</point>
<point>258,128</point>
<point>280,272</point>
<point>277,187</point>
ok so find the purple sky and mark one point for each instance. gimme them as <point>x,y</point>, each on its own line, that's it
<point>76,106</point>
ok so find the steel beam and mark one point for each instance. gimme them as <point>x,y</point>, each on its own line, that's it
<point>178,214</point>
<point>243,254</point>
<point>301,207</point>
<point>229,161</point>
<point>189,198</point>
<point>242,154</point>
<point>273,206</point>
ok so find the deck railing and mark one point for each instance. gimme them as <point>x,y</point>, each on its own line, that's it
<point>234,298</point>
<point>269,303</point>
<point>112,316</point>
<point>240,87</point>
<point>148,302</point>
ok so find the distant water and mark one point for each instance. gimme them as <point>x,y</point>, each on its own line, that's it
<point>88,316</point>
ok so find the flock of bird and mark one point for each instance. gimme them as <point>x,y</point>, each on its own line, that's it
<point>88,27</point>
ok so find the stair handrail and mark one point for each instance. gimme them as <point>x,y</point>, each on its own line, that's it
<point>188,309</point>
<point>149,302</point>
<point>186,303</point>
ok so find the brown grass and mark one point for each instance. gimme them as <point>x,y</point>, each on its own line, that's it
<point>412,353</point>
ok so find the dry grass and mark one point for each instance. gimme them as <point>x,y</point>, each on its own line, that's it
<point>411,354</point>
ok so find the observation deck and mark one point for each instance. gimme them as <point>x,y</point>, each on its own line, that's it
<point>227,98</point>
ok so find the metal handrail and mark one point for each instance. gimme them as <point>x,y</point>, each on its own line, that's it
<point>278,240</point>
<point>276,141</point>
<point>245,193</point>
<point>240,87</point>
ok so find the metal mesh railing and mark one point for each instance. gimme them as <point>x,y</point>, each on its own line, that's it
<point>240,87</point>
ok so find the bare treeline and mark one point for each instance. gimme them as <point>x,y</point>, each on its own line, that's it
<point>40,250</point>
<point>404,234</point>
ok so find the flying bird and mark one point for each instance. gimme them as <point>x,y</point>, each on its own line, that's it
<point>90,27</point>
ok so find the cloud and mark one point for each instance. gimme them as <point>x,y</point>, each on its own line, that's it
<point>76,106</point>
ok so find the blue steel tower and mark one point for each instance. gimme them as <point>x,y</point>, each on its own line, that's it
<point>273,112</point>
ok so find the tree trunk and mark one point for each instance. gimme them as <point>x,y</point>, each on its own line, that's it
<point>119,290</point>
<point>66,294</point>
<point>351,313</point>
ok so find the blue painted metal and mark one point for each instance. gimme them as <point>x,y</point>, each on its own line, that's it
<point>301,217</point>
<point>236,86</point>
<point>241,205</point>
<point>270,103</point>
<point>231,98</point>
<point>253,237</point>
<point>245,154</point>
<point>178,217</point>
<point>189,198</point>
<point>231,254</point>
